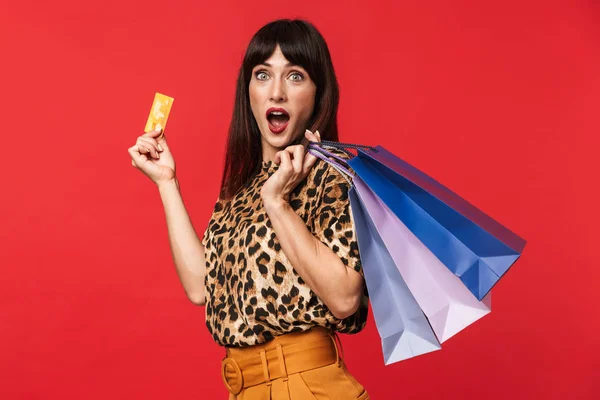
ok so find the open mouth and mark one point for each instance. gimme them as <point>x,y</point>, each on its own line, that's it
<point>278,119</point>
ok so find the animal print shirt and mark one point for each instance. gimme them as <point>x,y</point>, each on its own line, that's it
<point>252,291</point>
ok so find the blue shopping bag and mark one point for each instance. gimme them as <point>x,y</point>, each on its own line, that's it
<point>475,247</point>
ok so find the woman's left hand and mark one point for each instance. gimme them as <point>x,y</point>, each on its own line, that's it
<point>294,165</point>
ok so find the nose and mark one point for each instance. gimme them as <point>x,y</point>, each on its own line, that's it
<point>278,93</point>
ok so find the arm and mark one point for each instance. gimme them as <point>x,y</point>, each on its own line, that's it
<point>186,248</point>
<point>340,287</point>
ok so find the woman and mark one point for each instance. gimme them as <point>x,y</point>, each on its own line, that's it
<point>278,267</point>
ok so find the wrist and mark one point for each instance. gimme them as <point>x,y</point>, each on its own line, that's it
<point>275,204</point>
<point>167,184</point>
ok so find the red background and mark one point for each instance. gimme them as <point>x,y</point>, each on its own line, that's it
<point>498,101</point>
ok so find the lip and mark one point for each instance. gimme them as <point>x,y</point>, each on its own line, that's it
<point>273,128</point>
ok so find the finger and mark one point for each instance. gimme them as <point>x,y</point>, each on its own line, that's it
<point>277,158</point>
<point>133,153</point>
<point>148,142</point>
<point>153,134</point>
<point>298,152</point>
<point>151,144</point>
<point>162,141</point>
<point>286,162</point>
<point>140,150</point>
<point>312,137</point>
<point>306,139</point>
<point>309,161</point>
<point>152,141</point>
<point>137,157</point>
<point>146,150</point>
<point>148,147</point>
<point>292,151</point>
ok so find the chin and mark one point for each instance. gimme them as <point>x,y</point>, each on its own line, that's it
<point>279,140</point>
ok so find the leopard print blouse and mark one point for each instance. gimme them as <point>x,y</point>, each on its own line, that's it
<point>252,291</point>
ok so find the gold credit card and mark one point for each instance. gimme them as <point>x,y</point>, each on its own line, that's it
<point>159,113</point>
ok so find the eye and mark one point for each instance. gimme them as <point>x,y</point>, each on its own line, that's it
<point>296,76</point>
<point>261,75</point>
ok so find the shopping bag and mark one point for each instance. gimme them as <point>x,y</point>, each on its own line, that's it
<point>402,326</point>
<point>475,247</point>
<point>445,301</point>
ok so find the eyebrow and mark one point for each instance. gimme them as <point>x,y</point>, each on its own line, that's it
<point>288,64</point>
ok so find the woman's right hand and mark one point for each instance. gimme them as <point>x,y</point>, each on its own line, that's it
<point>151,155</point>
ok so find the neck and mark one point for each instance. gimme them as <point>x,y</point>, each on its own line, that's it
<point>268,152</point>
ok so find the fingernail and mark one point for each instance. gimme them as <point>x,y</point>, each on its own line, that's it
<point>160,147</point>
<point>308,131</point>
<point>317,133</point>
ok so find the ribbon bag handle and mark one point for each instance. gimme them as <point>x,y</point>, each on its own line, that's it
<point>318,149</point>
<point>318,152</point>
<point>331,155</point>
<point>341,146</point>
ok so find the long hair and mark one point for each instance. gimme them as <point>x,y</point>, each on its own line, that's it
<point>301,44</point>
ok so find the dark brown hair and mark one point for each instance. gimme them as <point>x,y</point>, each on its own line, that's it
<point>303,45</point>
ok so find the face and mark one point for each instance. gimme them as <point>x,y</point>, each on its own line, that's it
<point>282,98</point>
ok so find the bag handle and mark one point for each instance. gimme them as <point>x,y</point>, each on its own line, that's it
<point>341,146</point>
<point>342,161</point>
<point>318,152</point>
<point>341,165</point>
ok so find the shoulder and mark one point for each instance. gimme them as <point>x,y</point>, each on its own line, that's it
<point>330,170</point>
<point>329,185</point>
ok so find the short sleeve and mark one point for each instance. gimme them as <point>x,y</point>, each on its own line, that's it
<point>333,224</point>
<point>206,236</point>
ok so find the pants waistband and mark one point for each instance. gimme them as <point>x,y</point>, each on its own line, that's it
<point>282,356</point>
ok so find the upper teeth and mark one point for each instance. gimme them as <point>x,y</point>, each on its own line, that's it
<point>276,113</point>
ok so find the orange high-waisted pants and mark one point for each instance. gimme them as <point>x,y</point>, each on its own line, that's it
<point>294,366</point>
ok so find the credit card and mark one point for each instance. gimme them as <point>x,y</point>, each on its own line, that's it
<point>159,113</point>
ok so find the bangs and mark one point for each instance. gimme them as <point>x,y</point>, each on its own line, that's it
<point>298,45</point>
